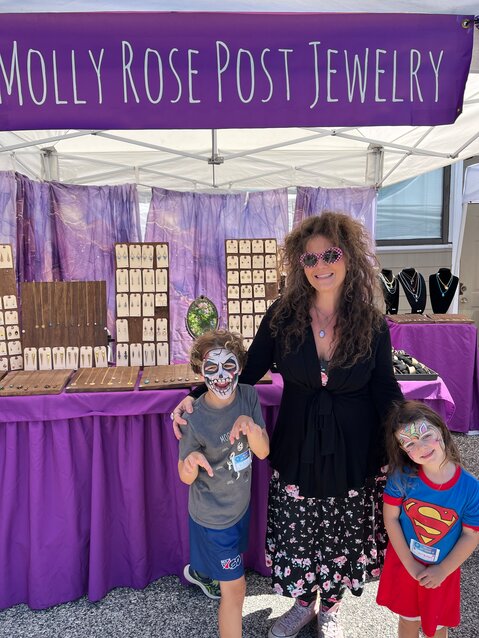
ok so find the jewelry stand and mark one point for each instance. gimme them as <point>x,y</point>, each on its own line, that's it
<point>414,287</point>
<point>30,383</point>
<point>442,288</point>
<point>104,379</point>
<point>390,290</point>
<point>252,283</point>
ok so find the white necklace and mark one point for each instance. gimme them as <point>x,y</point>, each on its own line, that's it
<point>322,330</point>
<point>390,285</point>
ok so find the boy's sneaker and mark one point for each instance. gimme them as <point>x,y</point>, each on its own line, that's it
<point>208,586</point>
<point>289,624</point>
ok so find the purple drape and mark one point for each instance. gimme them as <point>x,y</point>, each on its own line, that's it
<point>360,203</point>
<point>63,232</point>
<point>88,221</point>
<point>195,226</point>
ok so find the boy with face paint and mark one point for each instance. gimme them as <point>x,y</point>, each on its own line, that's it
<point>224,430</point>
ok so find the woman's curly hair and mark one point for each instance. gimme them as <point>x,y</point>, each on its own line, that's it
<point>215,339</point>
<point>357,316</point>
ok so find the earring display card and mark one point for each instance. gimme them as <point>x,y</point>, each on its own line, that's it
<point>32,382</point>
<point>142,304</point>
<point>104,379</point>
<point>58,316</point>
<point>252,283</point>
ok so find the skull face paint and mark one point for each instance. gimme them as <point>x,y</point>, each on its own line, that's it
<point>221,370</point>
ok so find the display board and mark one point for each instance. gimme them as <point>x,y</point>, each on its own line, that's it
<point>142,304</point>
<point>10,336</point>
<point>64,324</point>
<point>107,380</point>
<point>33,382</point>
<point>252,283</point>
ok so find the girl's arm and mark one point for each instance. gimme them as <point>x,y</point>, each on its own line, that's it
<point>396,537</point>
<point>433,575</point>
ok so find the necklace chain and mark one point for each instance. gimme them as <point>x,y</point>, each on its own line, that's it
<point>445,287</point>
<point>409,286</point>
<point>390,285</point>
<point>322,329</point>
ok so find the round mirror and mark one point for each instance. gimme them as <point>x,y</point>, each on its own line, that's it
<point>201,316</point>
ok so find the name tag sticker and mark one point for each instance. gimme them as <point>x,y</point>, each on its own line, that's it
<point>423,552</point>
<point>242,461</point>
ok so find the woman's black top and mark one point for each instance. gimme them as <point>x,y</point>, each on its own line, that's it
<point>328,440</point>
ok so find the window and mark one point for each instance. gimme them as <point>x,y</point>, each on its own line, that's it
<point>414,211</point>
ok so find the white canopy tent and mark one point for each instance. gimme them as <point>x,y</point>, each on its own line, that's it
<point>246,159</point>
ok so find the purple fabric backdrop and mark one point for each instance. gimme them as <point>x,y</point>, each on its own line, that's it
<point>360,203</point>
<point>231,70</point>
<point>195,226</point>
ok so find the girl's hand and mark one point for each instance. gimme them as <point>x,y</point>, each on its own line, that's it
<point>243,425</point>
<point>432,576</point>
<point>186,405</point>
<point>194,461</point>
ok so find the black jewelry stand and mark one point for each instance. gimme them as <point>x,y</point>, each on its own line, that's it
<point>442,288</point>
<point>414,287</point>
<point>390,290</point>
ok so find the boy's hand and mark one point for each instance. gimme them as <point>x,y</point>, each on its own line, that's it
<point>243,425</point>
<point>432,576</point>
<point>194,461</point>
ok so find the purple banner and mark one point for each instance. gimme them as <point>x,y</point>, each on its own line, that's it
<point>226,70</point>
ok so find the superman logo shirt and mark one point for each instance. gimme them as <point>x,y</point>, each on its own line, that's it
<point>432,516</point>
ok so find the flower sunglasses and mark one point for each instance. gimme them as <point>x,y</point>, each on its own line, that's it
<point>329,256</point>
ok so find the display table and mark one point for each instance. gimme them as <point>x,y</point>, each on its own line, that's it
<point>450,350</point>
<point>90,494</point>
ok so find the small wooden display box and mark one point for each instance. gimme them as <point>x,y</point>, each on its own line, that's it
<point>445,318</point>
<point>104,379</point>
<point>410,318</point>
<point>432,318</point>
<point>176,376</point>
<point>29,383</point>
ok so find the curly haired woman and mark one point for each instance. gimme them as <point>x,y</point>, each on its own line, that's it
<point>332,347</point>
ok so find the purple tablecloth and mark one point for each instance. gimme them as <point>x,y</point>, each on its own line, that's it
<point>90,494</point>
<point>450,350</point>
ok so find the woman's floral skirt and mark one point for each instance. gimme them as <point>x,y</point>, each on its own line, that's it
<point>324,544</point>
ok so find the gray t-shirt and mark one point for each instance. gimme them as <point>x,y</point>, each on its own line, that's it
<point>220,501</point>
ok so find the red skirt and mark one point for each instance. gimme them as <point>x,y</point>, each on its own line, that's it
<point>402,594</point>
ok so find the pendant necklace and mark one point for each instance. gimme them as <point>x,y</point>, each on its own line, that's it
<point>390,285</point>
<point>412,288</point>
<point>443,288</point>
<point>322,330</point>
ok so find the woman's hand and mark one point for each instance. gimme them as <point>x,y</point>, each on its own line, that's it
<point>186,405</point>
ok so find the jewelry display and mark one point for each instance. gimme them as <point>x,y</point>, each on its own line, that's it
<point>3,349</point>
<point>149,354</point>
<point>121,256</point>
<point>258,282</point>
<point>13,332</point>
<point>1,305</point>
<point>390,290</point>
<point>122,280</point>
<point>122,330</point>
<point>149,280</point>
<point>162,354</point>
<point>122,305</point>
<point>162,256</point>
<point>122,356</point>
<point>149,329</point>
<point>72,357</point>
<point>414,288</point>
<point>58,354</point>
<point>161,276</point>
<point>244,246</point>
<point>4,363</point>
<point>6,256</point>
<point>10,344</point>
<point>2,319</point>
<point>149,305</point>
<point>136,280</point>
<point>147,256</point>
<point>44,358</point>
<point>16,362</point>
<point>442,288</point>
<point>14,347</point>
<point>33,382</point>
<point>245,276</point>
<point>405,365</point>
<point>135,305</point>
<point>161,300</point>
<point>9,301</point>
<point>231,245</point>
<point>136,354</point>
<point>103,379</point>
<point>135,255</point>
<point>11,317</point>
<point>86,357</point>
<point>232,277</point>
<point>257,246</point>
<point>161,330</point>
<point>101,358</point>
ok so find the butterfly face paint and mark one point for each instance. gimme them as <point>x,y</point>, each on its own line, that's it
<point>221,371</point>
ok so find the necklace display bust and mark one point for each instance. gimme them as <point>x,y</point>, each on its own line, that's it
<point>414,287</point>
<point>442,288</point>
<point>390,290</point>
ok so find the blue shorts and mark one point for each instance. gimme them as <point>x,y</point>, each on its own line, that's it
<point>217,553</point>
